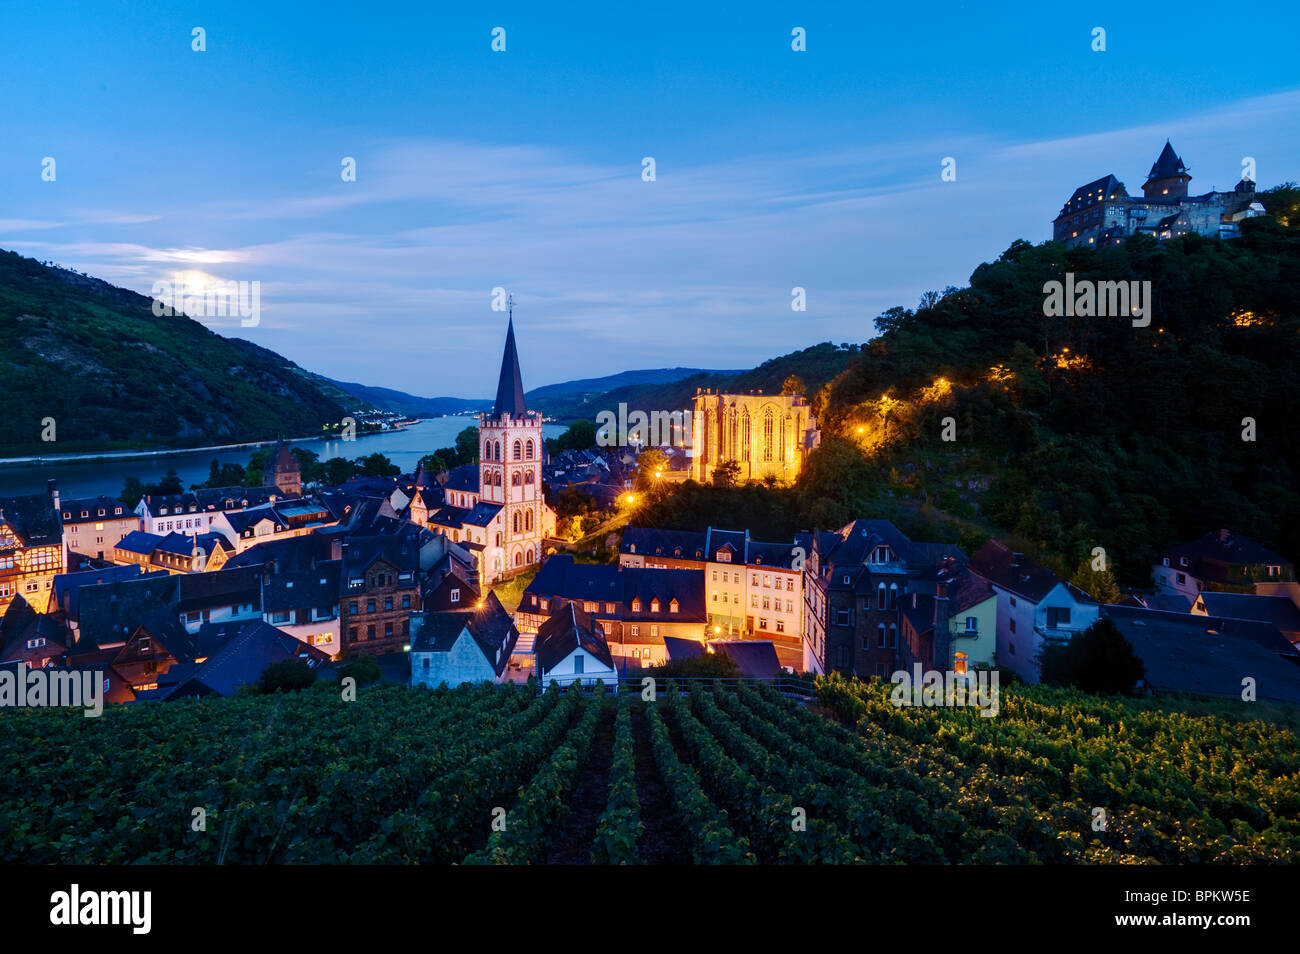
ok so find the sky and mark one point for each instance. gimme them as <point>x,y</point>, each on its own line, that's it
<point>522,169</point>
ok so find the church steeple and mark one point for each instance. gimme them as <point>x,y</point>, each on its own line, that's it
<point>510,386</point>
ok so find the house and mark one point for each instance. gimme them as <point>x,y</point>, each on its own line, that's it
<point>94,525</point>
<point>1220,560</point>
<point>571,648</point>
<point>239,662</point>
<point>1206,655</point>
<point>36,639</point>
<point>1277,610</point>
<point>459,647</point>
<point>68,586</point>
<point>636,607</point>
<point>1034,606</point>
<point>953,628</point>
<point>273,521</point>
<point>856,582</point>
<point>175,552</point>
<point>379,589</point>
<point>32,553</point>
<point>194,511</point>
<point>302,586</point>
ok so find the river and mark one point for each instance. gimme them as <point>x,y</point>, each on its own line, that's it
<point>89,478</point>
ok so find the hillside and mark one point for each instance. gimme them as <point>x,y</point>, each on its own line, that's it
<point>815,365</point>
<point>412,405</point>
<point>1087,431</point>
<point>111,374</point>
<point>708,776</point>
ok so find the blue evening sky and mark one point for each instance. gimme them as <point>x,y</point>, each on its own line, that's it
<point>522,169</point>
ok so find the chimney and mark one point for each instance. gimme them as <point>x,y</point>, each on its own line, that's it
<point>54,492</point>
<point>336,547</point>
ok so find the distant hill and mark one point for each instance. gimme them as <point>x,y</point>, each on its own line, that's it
<point>816,365</point>
<point>111,374</point>
<point>399,402</point>
<point>566,400</point>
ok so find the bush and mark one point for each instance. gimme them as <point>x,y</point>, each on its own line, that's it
<point>364,669</point>
<point>1097,660</point>
<point>288,675</point>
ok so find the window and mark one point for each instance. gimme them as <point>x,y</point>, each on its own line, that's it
<point>589,607</point>
<point>893,596</point>
<point>352,634</point>
<point>882,595</point>
<point>388,603</point>
<point>972,624</point>
<point>1012,625</point>
<point>753,600</point>
<point>406,601</point>
<point>767,602</point>
<point>882,639</point>
<point>280,617</point>
<point>388,630</point>
<point>634,630</point>
<point>1013,601</point>
<point>845,579</point>
<point>1182,577</point>
<point>578,663</point>
<point>842,617</point>
<point>352,607</point>
<point>762,622</point>
<point>724,557</point>
<point>654,631</point>
<point>546,604</point>
<point>36,643</point>
<point>715,576</point>
<point>893,636</point>
<point>1011,647</point>
<point>370,631</point>
<point>1057,616</point>
<point>780,626</point>
<point>654,606</point>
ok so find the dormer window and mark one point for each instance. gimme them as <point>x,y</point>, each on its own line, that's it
<point>631,548</point>
<point>673,606</point>
<point>636,606</point>
<point>654,606</point>
<point>724,557</point>
<point>455,595</point>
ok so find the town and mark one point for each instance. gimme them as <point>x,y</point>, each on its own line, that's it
<point>197,593</point>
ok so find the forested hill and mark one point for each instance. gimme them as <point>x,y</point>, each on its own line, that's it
<point>110,373</point>
<point>1089,431</point>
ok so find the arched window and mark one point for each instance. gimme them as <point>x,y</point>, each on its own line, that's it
<point>654,606</point>
<point>893,596</point>
<point>769,436</point>
<point>519,559</point>
<point>528,451</point>
<point>516,521</point>
<point>496,450</point>
<point>880,596</point>
<point>519,450</point>
<point>528,477</point>
<point>487,450</point>
<point>528,555</point>
<point>881,639</point>
<point>893,636</point>
<point>498,544</point>
<point>528,521</point>
<point>496,479</point>
<point>515,479</point>
<point>744,435</point>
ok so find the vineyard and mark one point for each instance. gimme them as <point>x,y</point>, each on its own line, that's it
<point>726,774</point>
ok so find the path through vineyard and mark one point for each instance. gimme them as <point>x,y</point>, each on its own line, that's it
<point>661,842</point>
<point>572,844</point>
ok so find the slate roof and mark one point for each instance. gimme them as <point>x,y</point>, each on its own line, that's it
<point>1278,610</point>
<point>140,541</point>
<point>1098,190</point>
<point>241,661</point>
<point>288,554</point>
<point>510,386</point>
<point>302,589</point>
<point>464,478</point>
<point>561,578</point>
<point>92,506</point>
<point>667,543</point>
<point>482,514</point>
<point>223,588</point>
<point>68,586</point>
<point>1183,652</point>
<point>1001,566</point>
<point>32,518</point>
<point>680,648</point>
<point>111,612</point>
<point>20,623</point>
<point>756,658</point>
<point>489,625</point>
<point>567,629</point>
<point>1167,164</point>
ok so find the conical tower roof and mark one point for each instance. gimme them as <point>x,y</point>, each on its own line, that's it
<point>1168,165</point>
<point>510,386</point>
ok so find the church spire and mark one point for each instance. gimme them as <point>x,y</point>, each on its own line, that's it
<point>510,387</point>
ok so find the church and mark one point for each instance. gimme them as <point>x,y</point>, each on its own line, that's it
<point>497,508</point>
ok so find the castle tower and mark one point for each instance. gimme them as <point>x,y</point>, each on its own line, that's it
<point>510,470</point>
<point>1168,176</point>
<point>281,471</point>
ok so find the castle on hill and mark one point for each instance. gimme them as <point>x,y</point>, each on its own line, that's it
<point>1102,212</point>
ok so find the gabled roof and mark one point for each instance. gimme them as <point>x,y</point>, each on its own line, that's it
<point>680,649</point>
<point>91,506</point>
<point>21,623</point>
<point>567,630</point>
<point>1014,572</point>
<point>482,514</point>
<point>1209,556</point>
<point>32,518</point>
<point>223,588</point>
<point>488,624</point>
<point>241,661</point>
<point>307,588</point>
<point>1098,190</point>
<point>510,386</point>
<point>68,586</point>
<point>463,478</point>
<point>139,541</point>
<point>678,544</point>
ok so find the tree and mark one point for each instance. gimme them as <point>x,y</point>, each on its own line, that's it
<point>337,470</point>
<point>287,675</point>
<point>1098,660</point>
<point>132,491</point>
<point>364,669</point>
<point>1099,584</point>
<point>581,435</point>
<point>171,483</point>
<point>433,464</point>
<point>726,474</point>
<point>794,385</point>
<point>256,465</point>
<point>377,465</point>
<point>467,445</point>
<point>307,464</point>
<point>650,466</point>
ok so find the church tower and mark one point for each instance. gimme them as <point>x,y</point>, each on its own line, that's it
<point>510,471</point>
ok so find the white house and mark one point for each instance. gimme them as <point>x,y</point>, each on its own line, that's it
<point>1034,607</point>
<point>459,647</point>
<point>571,647</point>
